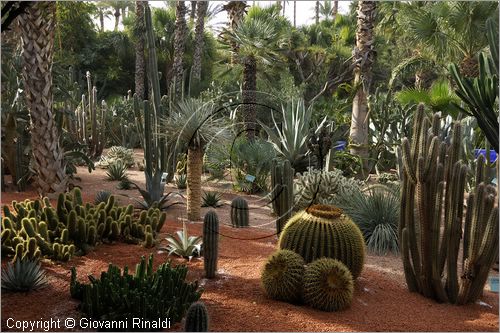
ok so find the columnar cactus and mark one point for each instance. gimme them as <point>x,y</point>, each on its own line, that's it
<point>210,243</point>
<point>282,276</point>
<point>239,213</point>
<point>282,194</point>
<point>324,231</point>
<point>432,216</point>
<point>328,285</point>
<point>197,318</point>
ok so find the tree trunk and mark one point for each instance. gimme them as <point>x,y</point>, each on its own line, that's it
<point>192,14</point>
<point>364,56</point>
<point>335,9</point>
<point>198,40</point>
<point>194,171</point>
<point>117,18</point>
<point>179,45</point>
<point>37,27</point>
<point>249,96</point>
<point>295,13</point>
<point>236,10</point>
<point>140,62</point>
<point>316,15</point>
<point>101,19</point>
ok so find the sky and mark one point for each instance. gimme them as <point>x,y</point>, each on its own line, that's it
<point>305,11</point>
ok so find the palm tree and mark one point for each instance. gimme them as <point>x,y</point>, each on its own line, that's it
<point>335,9</point>
<point>37,30</point>
<point>140,63</point>
<point>194,125</point>
<point>179,46</point>
<point>316,12</point>
<point>198,39</point>
<point>236,11</point>
<point>364,56</point>
<point>258,42</point>
<point>192,13</point>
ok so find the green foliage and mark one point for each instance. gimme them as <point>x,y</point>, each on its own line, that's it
<point>124,184</point>
<point>184,245</point>
<point>239,213</point>
<point>117,170</point>
<point>101,196</point>
<point>148,294</point>
<point>197,319</point>
<point>23,275</point>
<point>181,181</point>
<point>282,192</point>
<point>282,276</point>
<point>115,154</point>
<point>211,199</point>
<point>328,285</point>
<point>324,231</point>
<point>376,213</point>
<point>210,243</point>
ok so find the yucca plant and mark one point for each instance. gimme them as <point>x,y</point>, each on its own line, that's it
<point>124,184</point>
<point>101,196</point>
<point>23,275</point>
<point>154,199</point>
<point>376,212</point>
<point>183,245</point>
<point>211,199</point>
<point>117,170</point>
<point>181,181</point>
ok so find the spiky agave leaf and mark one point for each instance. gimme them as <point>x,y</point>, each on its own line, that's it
<point>183,245</point>
<point>23,275</point>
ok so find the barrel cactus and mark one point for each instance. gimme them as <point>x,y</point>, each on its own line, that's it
<point>196,318</point>
<point>210,243</point>
<point>282,276</point>
<point>324,231</point>
<point>328,285</point>
<point>239,213</point>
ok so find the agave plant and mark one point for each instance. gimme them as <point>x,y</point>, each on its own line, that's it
<point>211,199</point>
<point>101,196</point>
<point>155,199</point>
<point>124,184</point>
<point>23,275</point>
<point>183,245</point>
<point>181,181</point>
<point>117,170</point>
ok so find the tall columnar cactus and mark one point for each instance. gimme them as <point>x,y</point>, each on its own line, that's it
<point>282,276</point>
<point>239,213</point>
<point>197,318</point>
<point>282,195</point>
<point>210,243</point>
<point>324,231</point>
<point>432,216</point>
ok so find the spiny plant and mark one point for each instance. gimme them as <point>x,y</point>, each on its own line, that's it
<point>23,275</point>
<point>328,285</point>
<point>181,181</point>
<point>183,245</point>
<point>117,171</point>
<point>101,196</point>
<point>211,199</point>
<point>124,184</point>
<point>210,243</point>
<point>197,319</point>
<point>116,153</point>
<point>282,276</point>
<point>239,213</point>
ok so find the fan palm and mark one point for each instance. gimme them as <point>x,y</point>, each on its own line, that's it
<point>236,11</point>
<point>194,124</point>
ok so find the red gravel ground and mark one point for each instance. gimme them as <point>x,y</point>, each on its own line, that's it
<point>235,299</point>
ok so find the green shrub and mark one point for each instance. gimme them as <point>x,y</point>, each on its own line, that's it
<point>117,171</point>
<point>23,275</point>
<point>211,199</point>
<point>124,184</point>
<point>117,153</point>
<point>181,181</point>
<point>148,294</point>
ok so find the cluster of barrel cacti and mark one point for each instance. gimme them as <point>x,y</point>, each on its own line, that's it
<point>147,294</point>
<point>239,213</point>
<point>197,318</point>
<point>282,191</point>
<point>432,220</point>
<point>34,228</point>
<point>210,243</point>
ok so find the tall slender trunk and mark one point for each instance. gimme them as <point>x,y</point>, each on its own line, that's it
<point>364,56</point>
<point>198,40</point>
<point>37,29</point>
<point>193,192</point>
<point>140,62</point>
<point>316,12</point>
<point>101,19</point>
<point>295,13</point>
<point>192,13</point>
<point>335,9</point>
<point>249,96</point>
<point>179,45</point>
<point>236,10</point>
<point>117,18</point>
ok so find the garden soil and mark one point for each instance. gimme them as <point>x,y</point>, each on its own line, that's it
<point>235,298</point>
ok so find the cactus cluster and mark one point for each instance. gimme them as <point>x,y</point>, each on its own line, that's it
<point>35,228</point>
<point>282,191</point>
<point>115,154</point>
<point>147,294</point>
<point>239,213</point>
<point>282,276</point>
<point>432,216</point>
<point>210,243</point>
<point>324,231</point>
<point>197,318</point>
<point>328,285</point>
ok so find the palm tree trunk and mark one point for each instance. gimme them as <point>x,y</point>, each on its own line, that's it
<point>364,56</point>
<point>194,171</point>
<point>192,13</point>
<point>295,13</point>
<point>140,62</point>
<point>316,15</point>
<point>249,96</point>
<point>117,17</point>
<point>198,40</point>
<point>101,19</point>
<point>335,9</point>
<point>236,10</point>
<point>37,28</point>
<point>179,45</point>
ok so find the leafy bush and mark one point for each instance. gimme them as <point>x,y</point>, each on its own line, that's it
<point>325,187</point>
<point>211,199</point>
<point>147,294</point>
<point>23,275</point>
<point>376,212</point>
<point>183,245</point>
<point>117,171</point>
<point>115,154</point>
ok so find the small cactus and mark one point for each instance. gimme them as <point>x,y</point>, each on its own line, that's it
<point>210,243</point>
<point>239,213</point>
<point>197,318</point>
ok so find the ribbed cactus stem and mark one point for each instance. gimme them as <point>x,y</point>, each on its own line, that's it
<point>210,243</point>
<point>239,213</point>
<point>282,198</point>
<point>197,318</point>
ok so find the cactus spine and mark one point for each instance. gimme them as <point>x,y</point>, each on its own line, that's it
<point>282,198</point>
<point>210,243</point>
<point>197,318</point>
<point>239,213</point>
<point>432,219</point>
